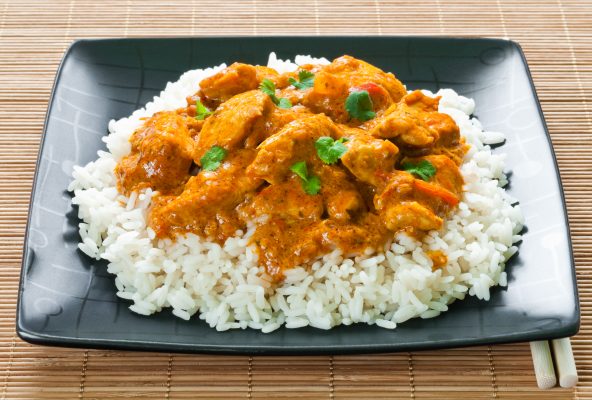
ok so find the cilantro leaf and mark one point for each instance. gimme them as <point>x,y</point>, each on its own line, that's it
<point>201,111</point>
<point>306,79</point>
<point>359,105</point>
<point>268,87</point>
<point>300,169</point>
<point>423,170</point>
<point>284,103</point>
<point>310,183</point>
<point>329,150</point>
<point>212,158</point>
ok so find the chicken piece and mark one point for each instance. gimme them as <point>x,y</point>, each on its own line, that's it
<point>286,200</point>
<point>368,231</point>
<point>334,82</point>
<point>293,93</point>
<point>404,126</point>
<point>328,96</point>
<point>235,79</point>
<point>293,143</point>
<point>399,209</point>
<point>232,123</point>
<point>456,152</point>
<point>410,214</point>
<point>161,156</point>
<point>272,121</point>
<point>414,122</point>
<point>410,202</point>
<point>368,158</point>
<point>448,140</point>
<point>447,174</point>
<point>417,99</point>
<point>283,243</point>
<point>359,72</point>
<point>448,133</point>
<point>208,202</point>
<point>169,123</point>
<point>443,191</point>
<point>341,198</point>
<point>263,72</point>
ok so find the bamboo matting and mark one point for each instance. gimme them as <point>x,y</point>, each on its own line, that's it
<point>557,38</point>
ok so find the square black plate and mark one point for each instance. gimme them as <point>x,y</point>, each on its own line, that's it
<point>68,299</point>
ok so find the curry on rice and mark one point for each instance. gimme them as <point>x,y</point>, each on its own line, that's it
<point>336,155</point>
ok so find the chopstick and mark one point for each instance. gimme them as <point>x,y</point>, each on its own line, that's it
<point>565,362</point>
<point>544,369</point>
<point>543,364</point>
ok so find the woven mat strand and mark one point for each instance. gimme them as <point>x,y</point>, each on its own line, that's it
<point>557,39</point>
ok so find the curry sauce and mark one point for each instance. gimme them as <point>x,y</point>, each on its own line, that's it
<point>330,156</point>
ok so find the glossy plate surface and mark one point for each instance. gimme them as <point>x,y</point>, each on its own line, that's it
<point>68,299</point>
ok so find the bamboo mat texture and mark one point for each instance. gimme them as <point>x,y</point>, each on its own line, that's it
<point>557,38</point>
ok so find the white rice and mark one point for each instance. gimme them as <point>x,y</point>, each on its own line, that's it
<point>226,287</point>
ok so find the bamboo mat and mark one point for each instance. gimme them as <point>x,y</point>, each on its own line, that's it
<point>557,38</point>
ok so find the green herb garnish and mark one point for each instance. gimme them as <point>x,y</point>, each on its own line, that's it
<point>310,183</point>
<point>201,111</point>
<point>423,170</point>
<point>284,103</point>
<point>306,79</point>
<point>212,159</point>
<point>329,150</point>
<point>359,105</point>
<point>268,87</point>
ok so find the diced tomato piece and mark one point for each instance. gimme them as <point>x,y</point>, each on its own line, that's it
<point>371,88</point>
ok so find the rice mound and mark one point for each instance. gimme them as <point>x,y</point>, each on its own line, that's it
<point>226,287</point>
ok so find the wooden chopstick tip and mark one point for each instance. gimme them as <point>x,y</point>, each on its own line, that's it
<point>565,363</point>
<point>543,364</point>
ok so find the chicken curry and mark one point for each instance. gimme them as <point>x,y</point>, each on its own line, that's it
<point>330,156</point>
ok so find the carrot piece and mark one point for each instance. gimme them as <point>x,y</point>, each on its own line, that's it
<point>436,191</point>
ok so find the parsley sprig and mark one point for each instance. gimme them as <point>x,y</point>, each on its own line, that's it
<point>359,105</point>
<point>201,111</point>
<point>329,150</point>
<point>423,169</point>
<point>268,87</point>
<point>306,79</point>
<point>310,183</point>
<point>212,159</point>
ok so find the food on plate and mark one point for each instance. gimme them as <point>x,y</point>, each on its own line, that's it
<point>309,193</point>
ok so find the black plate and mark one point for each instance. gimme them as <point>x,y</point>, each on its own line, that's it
<point>68,299</point>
